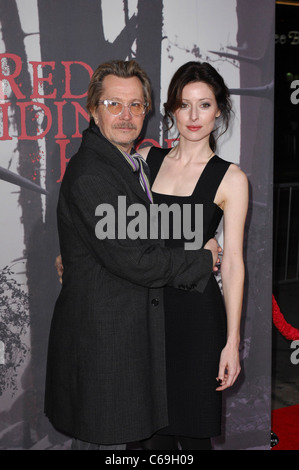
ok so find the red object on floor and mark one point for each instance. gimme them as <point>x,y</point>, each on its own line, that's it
<point>285,424</point>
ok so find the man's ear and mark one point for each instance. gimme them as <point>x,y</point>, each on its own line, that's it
<point>94,115</point>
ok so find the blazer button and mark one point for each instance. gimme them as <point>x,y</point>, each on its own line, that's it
<point>155,302</point>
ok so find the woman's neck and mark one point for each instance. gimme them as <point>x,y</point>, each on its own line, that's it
<point>192,151</point>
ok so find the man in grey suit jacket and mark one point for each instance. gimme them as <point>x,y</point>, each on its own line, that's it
<point>105,381</point>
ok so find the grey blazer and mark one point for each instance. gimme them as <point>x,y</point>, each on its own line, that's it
<point>106,367</point>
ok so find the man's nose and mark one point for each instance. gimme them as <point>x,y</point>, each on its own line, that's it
<point>125,114</point>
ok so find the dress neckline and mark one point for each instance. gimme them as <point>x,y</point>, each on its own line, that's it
<point>195,187</point>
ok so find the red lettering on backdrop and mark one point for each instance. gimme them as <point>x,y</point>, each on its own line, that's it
<point>151,141</point>
<point>37,81</point>
<point>83,112</point>
<point>11,77</point>
<point>60,134</point>
<point>23,106</point>
<point>170,142</point>
<point>30,109</point>
<point>4,109</point>
<point>68,76</point>
<point>63,160</point>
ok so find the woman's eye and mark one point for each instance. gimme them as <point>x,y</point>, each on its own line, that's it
<point>184,105</point>
<point>205,105</point>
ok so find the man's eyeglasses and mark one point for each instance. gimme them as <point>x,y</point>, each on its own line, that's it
<point>116,108</point>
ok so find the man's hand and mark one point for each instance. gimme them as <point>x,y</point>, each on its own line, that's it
<point>214,247</point>
<point>59,267</point>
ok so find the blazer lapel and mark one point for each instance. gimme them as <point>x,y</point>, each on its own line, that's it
<point>112,156</point>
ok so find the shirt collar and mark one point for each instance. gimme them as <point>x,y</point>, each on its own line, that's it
<point>123,154</point>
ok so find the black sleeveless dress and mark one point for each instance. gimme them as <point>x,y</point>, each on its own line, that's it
<point>195,323</point>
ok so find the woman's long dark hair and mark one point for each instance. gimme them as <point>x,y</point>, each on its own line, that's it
<point>198,72</point>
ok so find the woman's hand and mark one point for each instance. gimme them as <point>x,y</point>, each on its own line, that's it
<point>229,367</point>
<point>59,267</point>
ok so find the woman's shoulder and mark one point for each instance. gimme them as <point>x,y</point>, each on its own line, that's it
<point>146,151</point>
<point>233,169</point>
<point>235,179</point>
<point>235,172</point>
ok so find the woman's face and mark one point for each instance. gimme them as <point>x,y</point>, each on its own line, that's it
<point>195,118</point>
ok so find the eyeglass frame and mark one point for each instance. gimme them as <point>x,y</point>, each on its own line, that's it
<point>106,102</point>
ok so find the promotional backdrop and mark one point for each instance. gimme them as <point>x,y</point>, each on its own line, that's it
<point>48,51</point>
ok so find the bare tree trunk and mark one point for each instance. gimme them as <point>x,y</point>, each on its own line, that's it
<point>149,39</point>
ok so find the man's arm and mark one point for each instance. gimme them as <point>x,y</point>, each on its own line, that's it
<point>211,245</point>
<point>140,261</point>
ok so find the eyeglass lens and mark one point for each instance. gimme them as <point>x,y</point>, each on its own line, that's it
<point>114,107</point>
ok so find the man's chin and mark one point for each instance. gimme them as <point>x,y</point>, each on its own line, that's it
<point>125,140</point>
<point>124,144</point>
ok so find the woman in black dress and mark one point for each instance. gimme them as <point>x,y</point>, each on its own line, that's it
<point>202,330</point>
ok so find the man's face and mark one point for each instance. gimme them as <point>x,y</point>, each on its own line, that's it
<point>121,130</point>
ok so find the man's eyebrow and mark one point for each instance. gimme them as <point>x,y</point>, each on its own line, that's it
<point>115,98</point>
